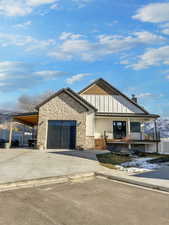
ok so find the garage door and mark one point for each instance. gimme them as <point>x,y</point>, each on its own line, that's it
<point>61,134</point>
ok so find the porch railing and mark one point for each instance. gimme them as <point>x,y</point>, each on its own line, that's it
<point>154,137</point>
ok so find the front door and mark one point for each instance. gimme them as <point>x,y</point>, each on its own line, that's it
<point>61,134</point>
<point>119,129</point>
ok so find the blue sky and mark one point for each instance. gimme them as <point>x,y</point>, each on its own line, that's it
<point>50,44</point>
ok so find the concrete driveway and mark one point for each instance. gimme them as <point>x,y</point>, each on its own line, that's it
<point>17,165</point>
<point>95,202</point>
<point>23,164</point>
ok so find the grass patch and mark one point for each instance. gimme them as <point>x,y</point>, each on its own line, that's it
<point>110,160</point>
<point>147,154</point>
<point>108,165</point>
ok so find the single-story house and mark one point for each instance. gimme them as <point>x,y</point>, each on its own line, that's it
<point>98,116</point>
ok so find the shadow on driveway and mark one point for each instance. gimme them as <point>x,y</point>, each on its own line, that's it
<point>81,154</point>
<point>161,173</point>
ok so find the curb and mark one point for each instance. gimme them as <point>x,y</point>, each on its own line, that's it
<point>132,181</point>
<point>72,178</point>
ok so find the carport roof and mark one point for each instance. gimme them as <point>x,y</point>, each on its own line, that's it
<point>29,118</point>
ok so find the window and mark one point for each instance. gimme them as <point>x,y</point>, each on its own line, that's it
<point>135,127</point>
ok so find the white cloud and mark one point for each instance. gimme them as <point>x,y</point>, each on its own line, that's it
<point>23,25</point>
<point>28,42</point>
<point>167,77</point>
<point>21,7</point>
<point>144,95</point>
<point>25,7</point>
<point>77,77</point>
<point>152,57</point>
<point>50,74</point>
<point>104,45</point>
<point>39,2</point>
<point>81,3</point>
<point>14,8</point>
<point>68,35</point>
<point>55,6</point>
<point>18,76</point>
<point>154,13</point>
<point>165,31</point>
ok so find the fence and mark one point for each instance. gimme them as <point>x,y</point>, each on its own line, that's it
<point>164,146</point>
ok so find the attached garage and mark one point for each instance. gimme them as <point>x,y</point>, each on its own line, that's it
<point>61,134</point>
<point>64,122</point>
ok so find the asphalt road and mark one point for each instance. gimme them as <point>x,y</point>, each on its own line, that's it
<point>95,202</point>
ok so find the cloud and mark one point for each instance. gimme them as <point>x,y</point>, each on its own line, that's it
<point>55,6</point>
<point>152,57</point>
<point>154,13</point>
<point>144,95</point>
<point>23,25</point>
<point>19,76</point>
<point>81,3</point>
<point>25,7</point>
<point>39,2</point>
<point>68,35</point>
<point>77,47</point>
<point>50,74</point>
<point>165,31</point>
<point>77,77</point>
<point>21,7</point>
<point>28,42</point>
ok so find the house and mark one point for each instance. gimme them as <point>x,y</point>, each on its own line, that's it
<point>97,117</point>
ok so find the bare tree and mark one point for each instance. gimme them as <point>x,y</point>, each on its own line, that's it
<point>27,103</point>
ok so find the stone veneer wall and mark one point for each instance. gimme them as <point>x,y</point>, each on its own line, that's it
<point>63,107</point>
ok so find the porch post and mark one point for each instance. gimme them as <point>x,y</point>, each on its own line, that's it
<point>128,127</point>
<point>10,132</point>
<point>128,130</point>
<point>156,136</point>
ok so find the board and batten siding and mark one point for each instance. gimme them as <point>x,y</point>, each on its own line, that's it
<point>112,104</point>
<point>90,124</point>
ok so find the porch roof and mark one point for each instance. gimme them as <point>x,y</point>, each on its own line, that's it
<point>30,118</point>
<point>128,115</point>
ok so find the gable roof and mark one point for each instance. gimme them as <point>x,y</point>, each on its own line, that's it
<point>104,84</point>
<point>72,94</point>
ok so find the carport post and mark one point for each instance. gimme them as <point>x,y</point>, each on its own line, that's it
<point>10,132</point>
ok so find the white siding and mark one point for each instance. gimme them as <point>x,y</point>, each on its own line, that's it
<point>104,125</point>
<point>112,104</point>
<point>90,124</point>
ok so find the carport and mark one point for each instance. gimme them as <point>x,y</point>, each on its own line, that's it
<point>28,119</point>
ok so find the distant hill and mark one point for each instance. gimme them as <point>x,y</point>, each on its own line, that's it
<point>163,127</point>
<point>7,112</point>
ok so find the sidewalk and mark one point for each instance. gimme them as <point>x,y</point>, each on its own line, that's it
<point>159,184</point>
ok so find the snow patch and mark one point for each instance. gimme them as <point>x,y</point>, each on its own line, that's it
<point>138,165</point>
<point>141,163</point>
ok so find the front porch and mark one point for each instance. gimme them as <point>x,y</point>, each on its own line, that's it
<point>126,132</point>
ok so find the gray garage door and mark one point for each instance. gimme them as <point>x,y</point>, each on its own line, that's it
<point>61,134</point>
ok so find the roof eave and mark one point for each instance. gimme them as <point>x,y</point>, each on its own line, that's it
<point>71,93</point>
<point>128,115</point>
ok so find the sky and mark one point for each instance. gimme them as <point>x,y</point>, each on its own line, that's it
<point>51,44</point>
